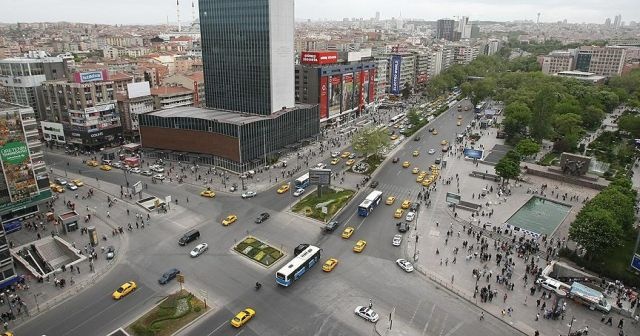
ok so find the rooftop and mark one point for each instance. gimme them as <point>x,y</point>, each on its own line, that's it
<point>169,90</point>
<point>229,117</point>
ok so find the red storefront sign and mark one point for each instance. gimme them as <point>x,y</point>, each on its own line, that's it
<point>319,57</point>
<point>324,112</point>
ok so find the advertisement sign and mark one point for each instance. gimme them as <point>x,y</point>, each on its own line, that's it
<point>319,57</point>
<point>372,85</point>
<point>16,162</point>
<point>395,74</point>
<point>335,94</point>
<point>324,90</point>
<point>364,88</point>
<point>452,198</point>
<point>319,176</point>
<point>635,263</point>
<point>472,153</point>
<point>347,92</point>
<point>91,76</point>
<point>100,108</point>
<point>140,89</point>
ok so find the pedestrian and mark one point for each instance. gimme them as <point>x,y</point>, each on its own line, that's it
<point>620,324</point>
<point>537,316</point>
<point>452,282</point>
<point>537,333</point>
<point>108,214</point>
<point>538,303</point>
<point>504,298</point>
<point>609,321</point>
<point>481,316</point>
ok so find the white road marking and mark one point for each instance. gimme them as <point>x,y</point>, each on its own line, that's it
<point>216,329</point>
<point>424,331</point>
<point>444,324</point>
<point>416,311</point>
<point>454,329</point>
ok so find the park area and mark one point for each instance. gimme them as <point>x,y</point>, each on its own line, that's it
<point>324,207</point>
<point>173,313</point>
<point>258,251</point>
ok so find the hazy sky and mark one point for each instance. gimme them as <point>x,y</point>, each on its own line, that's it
<point>156,11</point>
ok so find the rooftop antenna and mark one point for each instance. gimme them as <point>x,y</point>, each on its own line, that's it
<point>178,13</point>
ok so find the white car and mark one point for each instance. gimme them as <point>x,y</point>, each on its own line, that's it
<point>135,170</point>
<point>71,186</point>
<point>405,265</point>
<point>248,194</point>
<point>146,173</point>
<point>116,165</point>
<point>321,165</point>
<point>198,250</point>
<point>410,216</point>
<point>158,176</point>
<point>397,240</point>
<point>431,151</point>
<point>298,192</point>
<point>157,169</point>
<point>367,313</point>
<point>335,154</point>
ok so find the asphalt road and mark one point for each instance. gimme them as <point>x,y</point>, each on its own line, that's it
<point>318,304</point>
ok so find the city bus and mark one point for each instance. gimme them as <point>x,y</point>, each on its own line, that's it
<point>369,203</point>
<point>396,118</point>
<point>302,181</point>
<point>298,266</point>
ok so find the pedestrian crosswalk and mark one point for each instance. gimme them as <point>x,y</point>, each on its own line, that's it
<point>399,191</point>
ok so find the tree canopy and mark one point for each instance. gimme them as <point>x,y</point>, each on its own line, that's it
<point>370,140</point>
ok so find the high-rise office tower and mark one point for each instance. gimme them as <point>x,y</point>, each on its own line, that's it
<point>445,29</point>
<point>617,21</point>
<point>248,61</point>
<point>607,22</point>
<point>377,16</point>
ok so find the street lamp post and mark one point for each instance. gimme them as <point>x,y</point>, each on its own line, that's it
<point>573,319</point>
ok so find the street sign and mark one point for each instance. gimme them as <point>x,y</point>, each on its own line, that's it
<point>319,176</point>
<point>452,198</point>
<point>180,278</point>
<point>137,187</point>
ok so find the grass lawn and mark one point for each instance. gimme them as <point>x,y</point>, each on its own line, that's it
<point>256,250</point>
<point>333,199</point>
<point>173,313</point>
<point>549,159</point>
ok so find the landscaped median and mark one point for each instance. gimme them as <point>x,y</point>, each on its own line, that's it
<point>173,313</point>
<point>260,252</point>
<point>323,208</point>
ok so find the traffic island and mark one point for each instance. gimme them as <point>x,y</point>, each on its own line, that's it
<point>173,313</point>
<point>371,162</point>
<point>258,251</point>
<point>323,208</point>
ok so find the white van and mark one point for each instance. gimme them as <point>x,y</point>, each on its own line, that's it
<point>554,285</point>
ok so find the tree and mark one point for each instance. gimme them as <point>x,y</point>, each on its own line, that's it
<point>596,231</point>
<point>566,124</point>
<point>517,118</point>
<point>542,107</point>
<point>509,166</point>
<point>370,140</point>
<point>466,89</point>
<point>592,117</point>
<point>620,204</point>
<point>630,123</point>
<point>527,147</point>
<point>413,117</point>
<point>406,91</point>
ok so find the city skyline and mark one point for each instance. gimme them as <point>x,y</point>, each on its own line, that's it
<point>158,12</point>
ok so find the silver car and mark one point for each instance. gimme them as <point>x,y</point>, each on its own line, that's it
<point>397,240</point>
<point>367,313</point>
<point>410,216</point>
<point>405,265</point>
<point>198,250</point>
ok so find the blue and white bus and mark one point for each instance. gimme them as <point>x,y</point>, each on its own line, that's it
<point>369,203</point>
<point>396,118</point>
<point>302,181</point>
<point>299,265</point>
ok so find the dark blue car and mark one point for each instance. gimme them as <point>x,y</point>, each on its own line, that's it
<point>168,276</point>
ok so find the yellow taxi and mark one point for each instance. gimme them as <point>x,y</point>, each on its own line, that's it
<point>394,137</point>
<point>415,153</point>
<point>77,182</point>
<point>106,167</point>
<point>398,213</point>
<point>423,173</point>
<point>459,123</point>
<point>435,174</point>
<point>330,264</point>
<point>242,317</point>
<point>406,164</point>
<point>390,200</point>
<point>208,193</point>
<point>406,204</point>
<point>359,246</point>
<point>92,163</point>
<point>283,189</point>
<point>415,170</point>
<point>56,188</point>
<point>350,162</point>
<point>335,161</point>
<point>345,155</point>
<point>6,333</point>
<point>435,132</point>
<point>433,167</point>
<point>124,290</point>
<point>229,220</point>
<point>420,178</point>
<point>427,182</point>
<point>348,232</point>
<point>444,142</point>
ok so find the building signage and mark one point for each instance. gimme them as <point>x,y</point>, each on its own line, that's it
<point>635,262</point>
<point>16,160</point>
<point>473,153</point>
<point>95,135</point>
<point>92,76</point>
<point>372,85</point>
<point>319,57</point>
<point>100,108</point>
<point>324,111</point>
<point>320,176</point>
<point>396,61</point>
<point>14,153</point>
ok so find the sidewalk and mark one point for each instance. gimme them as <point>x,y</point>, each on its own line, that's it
<point>519,307</point>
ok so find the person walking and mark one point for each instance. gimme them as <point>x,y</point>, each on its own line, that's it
<point>620,324</point>
<point>481,316</point>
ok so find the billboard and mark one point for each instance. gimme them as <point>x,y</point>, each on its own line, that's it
<point>141,89</point>
<point>396,61</point>
<point>473,153</point>
<point>324,90</point>
<point>91,76</point>
<point>347,92</point>
<point>335,94</point>
<point>372,85</point>
<point>364,88</point>
<point>319,176</point>
<point>319,57</point>
<point>15,158</point>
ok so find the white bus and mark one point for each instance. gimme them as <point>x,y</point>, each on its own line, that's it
<point>369,203</point>
<point>299,265</point>
<point>396,118</point>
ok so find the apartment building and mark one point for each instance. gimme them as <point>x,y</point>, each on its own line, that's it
<point>605,61</point>
<point>165,97</point>
<point>193,81</point>
<point>557,61</point>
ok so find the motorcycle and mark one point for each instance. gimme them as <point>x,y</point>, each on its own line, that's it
<point>258,285</point>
